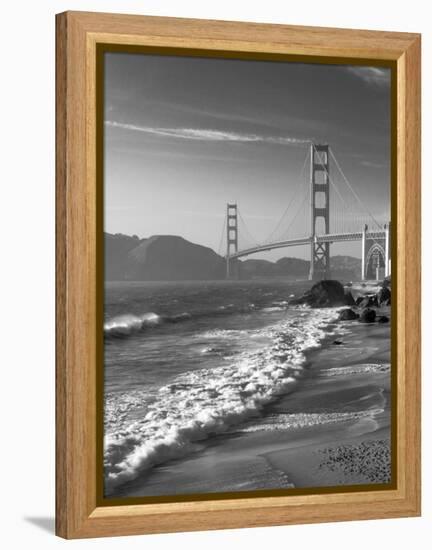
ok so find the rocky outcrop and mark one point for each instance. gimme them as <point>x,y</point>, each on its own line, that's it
<point>327,293</point>
<point>331,293</point>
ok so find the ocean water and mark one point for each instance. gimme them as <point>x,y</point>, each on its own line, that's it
<point>185,362</point>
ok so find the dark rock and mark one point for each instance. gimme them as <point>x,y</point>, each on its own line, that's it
<point>337,342</point>
<point>349,300</point>
<point>386,282</point>
<point>367,315</point>
<point>383,319</point>
<point>347,315</point>
<point>384,296</point>
<point>368,301</point>
<point>326,293</point>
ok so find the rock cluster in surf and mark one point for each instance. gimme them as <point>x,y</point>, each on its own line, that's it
<point>331,293</point>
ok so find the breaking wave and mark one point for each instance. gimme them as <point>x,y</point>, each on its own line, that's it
<point>129,324</point>
<point>206,402</point>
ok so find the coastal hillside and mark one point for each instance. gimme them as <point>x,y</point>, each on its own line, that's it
<point>117,248</point>
<point>346,268</point>
<point>159,258</point>
<point>172,258</point>
<point>285,267</point>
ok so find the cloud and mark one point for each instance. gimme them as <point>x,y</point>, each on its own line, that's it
<point>371,164</point>
<point>374,76</point>
<point>207,135</point>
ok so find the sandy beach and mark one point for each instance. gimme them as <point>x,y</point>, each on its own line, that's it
<point>333,430</point>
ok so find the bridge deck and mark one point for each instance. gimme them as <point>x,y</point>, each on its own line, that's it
<point>329,238</point>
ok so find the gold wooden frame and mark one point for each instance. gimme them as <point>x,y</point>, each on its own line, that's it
<point>78,511</point>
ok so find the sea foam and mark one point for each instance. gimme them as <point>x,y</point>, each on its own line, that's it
<point>358,368</point>
<point>307,420</point>
<point>124,325</point>
<point>202,403</point>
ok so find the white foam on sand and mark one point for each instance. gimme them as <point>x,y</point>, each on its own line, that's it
<point>307,420</point>
<point>222,334</point>
<point>361,368</point>
<point>202,403</point>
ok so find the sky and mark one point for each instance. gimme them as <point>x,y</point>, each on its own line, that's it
<point>185,135</point>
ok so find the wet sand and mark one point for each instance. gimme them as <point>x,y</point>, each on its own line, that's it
<point>334,429</point>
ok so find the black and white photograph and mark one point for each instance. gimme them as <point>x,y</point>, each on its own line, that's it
<point>247,275</point>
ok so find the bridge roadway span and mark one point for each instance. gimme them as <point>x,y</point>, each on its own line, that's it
<point>328,238</point>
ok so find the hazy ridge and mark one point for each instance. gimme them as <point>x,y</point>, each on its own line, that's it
<point>170,258</point>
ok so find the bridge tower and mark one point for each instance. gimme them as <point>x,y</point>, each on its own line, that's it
<point>320,209</point>
<point>376,254</point>
<point>232,240</point>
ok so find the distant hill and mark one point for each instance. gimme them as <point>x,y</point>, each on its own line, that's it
<point>159,258</point>
<point>294,267</point>
<point>172,258</point>
<point>346,268</point>
<point>285,267</point>
<point>117,248</point>
<point>252,268</point>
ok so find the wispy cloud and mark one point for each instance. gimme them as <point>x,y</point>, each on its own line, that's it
<point>208,135</point>
<point>371,164</point>
<point>187,155</point>
<point>374,76</point>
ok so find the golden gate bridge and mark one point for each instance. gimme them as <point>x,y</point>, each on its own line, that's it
<point>324,209</point>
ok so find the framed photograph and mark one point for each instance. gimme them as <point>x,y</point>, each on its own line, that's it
<point>238,275</point>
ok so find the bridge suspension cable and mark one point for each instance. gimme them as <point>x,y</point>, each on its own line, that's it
<point>286,233</point>
<point>249,235</point>
<point>294,195</point>
<point>352,190</point>
<point>221,251</point>
<point>320,160</point>
<point>338,221</point>
<point>339,216</point>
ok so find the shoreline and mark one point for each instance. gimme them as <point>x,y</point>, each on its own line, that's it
<point>297,442</point>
